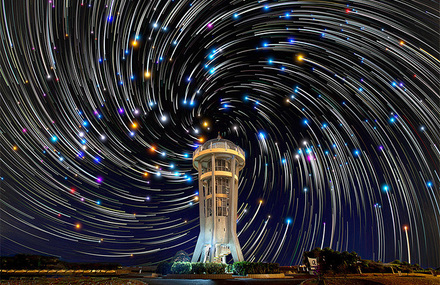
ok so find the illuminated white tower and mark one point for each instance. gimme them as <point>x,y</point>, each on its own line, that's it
<point>218,162</point>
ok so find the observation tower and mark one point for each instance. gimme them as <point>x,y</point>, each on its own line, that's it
<point>218,162</point>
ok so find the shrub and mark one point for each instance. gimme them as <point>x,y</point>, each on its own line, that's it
<point>229,268</point>
<point>273,268</point>
<point>241,267</point>
<point>181,256</point>
<point>181,268</point>
<point>215,268</point>
<point>244,268</point>
<point>197,268</point>
<point>258,268</point>
<point>164,268</point>
<point>375,267</point>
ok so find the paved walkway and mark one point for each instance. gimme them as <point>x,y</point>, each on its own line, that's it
<point>158,281</point>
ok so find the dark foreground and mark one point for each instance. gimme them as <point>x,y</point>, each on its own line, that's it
<point>365,279</point>
<point>149,281</point>
<point>221,282</point>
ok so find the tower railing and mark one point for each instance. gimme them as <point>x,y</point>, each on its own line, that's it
<point>225,145</point>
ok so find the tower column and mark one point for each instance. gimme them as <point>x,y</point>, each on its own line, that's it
<point>214,210</point>
<point>237,255</point>
<point>202,207</point>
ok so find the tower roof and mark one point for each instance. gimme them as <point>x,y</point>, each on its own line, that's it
<point>221,146</point>
<point>218,139</point>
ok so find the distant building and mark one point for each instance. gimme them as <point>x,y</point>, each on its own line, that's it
<point>218,162</point>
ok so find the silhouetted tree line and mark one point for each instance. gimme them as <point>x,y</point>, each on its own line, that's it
<point>331,261</point>
<point>29,261</point>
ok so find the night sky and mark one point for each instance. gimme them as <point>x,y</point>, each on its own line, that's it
<point>336,104</point>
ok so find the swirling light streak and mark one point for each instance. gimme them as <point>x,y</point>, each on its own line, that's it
<point>102,104</point>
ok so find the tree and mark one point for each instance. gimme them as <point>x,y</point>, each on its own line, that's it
<point>333,261</point>
<point>181,256</point>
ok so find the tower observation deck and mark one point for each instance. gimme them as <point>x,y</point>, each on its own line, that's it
<point>218,162</point>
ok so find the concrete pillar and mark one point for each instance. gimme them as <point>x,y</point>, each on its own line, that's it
<point>214,211</point>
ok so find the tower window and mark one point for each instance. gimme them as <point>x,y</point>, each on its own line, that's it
<point>222,185</point>
<point>222,206</point>
<point>222,165</point>
<point>208,187</point>
<point>209,207</point>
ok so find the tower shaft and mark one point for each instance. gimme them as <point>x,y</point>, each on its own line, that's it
<point>218,163</point>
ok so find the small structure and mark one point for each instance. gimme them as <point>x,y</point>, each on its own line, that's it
<point>313,265</point>
<point>218,162</point>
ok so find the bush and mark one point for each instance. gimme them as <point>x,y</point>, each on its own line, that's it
<point>273,268</point>
<point>241,267</point>
<point>229,268</point>
<point>181,268</point>
<point>244,268</point>
<point>258,268</point>
<point>215,268</point>
<point>164,268</point>
<point>181,256</point>
<point>368,266</point>
<point>197,268</point>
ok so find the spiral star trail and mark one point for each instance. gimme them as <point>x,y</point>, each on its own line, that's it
<point>336,104</point>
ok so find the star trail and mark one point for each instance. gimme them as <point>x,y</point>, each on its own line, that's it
<point>335,103</point>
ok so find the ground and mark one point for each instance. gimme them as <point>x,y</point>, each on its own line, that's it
<point>365,279</point>
<point>73,281</point>
<point>387,279</point>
